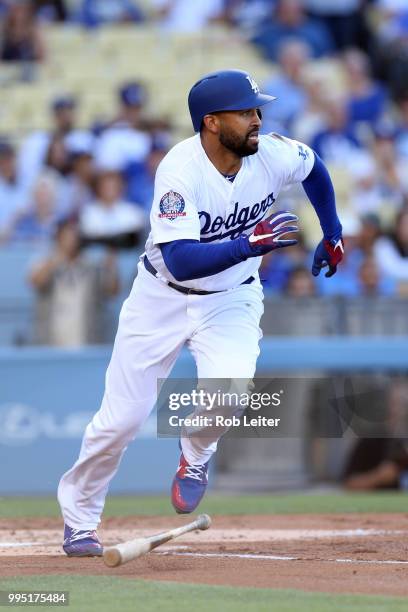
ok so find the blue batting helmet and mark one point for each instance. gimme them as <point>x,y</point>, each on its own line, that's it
<point>224,90</point>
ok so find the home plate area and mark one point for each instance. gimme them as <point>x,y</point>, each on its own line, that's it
<point>355,553</point>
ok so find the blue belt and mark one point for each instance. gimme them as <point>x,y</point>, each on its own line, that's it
<point>187,290</point>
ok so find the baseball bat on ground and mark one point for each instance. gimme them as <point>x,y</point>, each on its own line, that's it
<point>122,553</point>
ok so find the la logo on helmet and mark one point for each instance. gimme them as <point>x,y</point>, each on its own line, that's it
<point>253,84</point>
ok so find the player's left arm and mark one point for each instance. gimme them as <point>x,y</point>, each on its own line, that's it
<point>319,189</point>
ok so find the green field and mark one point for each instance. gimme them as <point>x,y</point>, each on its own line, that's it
<point>295,503</point>
<point>113,593</point>
<point>107,594</point>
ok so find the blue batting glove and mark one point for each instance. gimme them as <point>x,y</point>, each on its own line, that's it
<point>328,253</point>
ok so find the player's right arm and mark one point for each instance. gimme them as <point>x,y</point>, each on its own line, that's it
<point>176,230</point>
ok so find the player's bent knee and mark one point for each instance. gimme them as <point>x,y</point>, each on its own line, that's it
<point>118,421</point>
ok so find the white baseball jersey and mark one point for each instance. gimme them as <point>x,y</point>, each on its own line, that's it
<point>193,200</point>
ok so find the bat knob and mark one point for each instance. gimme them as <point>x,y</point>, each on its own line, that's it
<point>112,557</point>
<point>204,521</point>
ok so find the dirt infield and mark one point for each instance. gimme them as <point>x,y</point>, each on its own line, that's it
<point>353,553</point>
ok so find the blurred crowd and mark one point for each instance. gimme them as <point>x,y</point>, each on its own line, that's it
<point>103,177</point>
<point>85,196</point>
<point>339,70</point>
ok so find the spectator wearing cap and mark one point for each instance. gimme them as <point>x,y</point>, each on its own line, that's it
<point>287,86</point>
<point>125,140</point>
<point>33,150</point>
<point>187,16</point>
<point>64,108</point>
<point>289,21</point>
<point>13,197</point>
<point>72,291</point>
<point>132,99</point>
<point>21,38</point>
<point>94,13</point>
<point>110,219</point>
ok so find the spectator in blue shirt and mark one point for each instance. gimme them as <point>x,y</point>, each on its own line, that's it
<point>287,86</point>
<point>291,22</point>
<point>276,269</point>
<point>370,281</point>
<point>367,98</point>
<point>37,223</point>
<point>360,274</point>
<point>139,177</point>
<point>337,141</point>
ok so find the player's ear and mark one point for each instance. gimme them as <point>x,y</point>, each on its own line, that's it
<point>212,123</point>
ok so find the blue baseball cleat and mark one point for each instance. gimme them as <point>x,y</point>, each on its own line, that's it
<point>189,485</point>
<point>81,543</point>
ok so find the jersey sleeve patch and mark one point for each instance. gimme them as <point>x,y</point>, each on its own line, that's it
<point>303,152</point>
<point>171,206</point>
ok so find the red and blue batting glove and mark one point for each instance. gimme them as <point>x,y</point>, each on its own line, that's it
<point>328,253</point>
<point>268,234</point>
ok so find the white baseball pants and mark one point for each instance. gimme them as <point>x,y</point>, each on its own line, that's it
<point>222,332</point>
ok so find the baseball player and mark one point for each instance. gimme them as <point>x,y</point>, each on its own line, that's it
<point>212,219</point>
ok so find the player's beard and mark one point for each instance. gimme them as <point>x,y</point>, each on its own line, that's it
<point>238,144</point>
